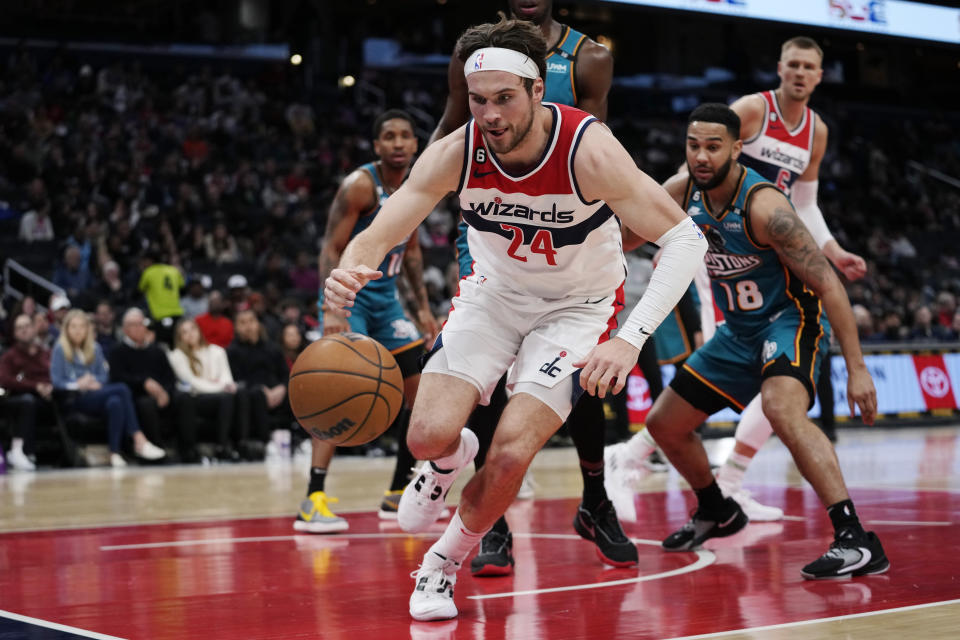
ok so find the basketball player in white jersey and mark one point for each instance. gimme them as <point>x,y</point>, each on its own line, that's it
<point>784,140</point>
<point>539,186</point>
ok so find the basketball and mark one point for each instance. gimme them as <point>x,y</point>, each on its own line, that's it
<point>346,389</point>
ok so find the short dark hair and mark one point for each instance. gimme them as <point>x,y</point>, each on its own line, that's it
<point>718,113</point>
<point>391,114</point>
<point>802,42</point>
<point>519,35</point>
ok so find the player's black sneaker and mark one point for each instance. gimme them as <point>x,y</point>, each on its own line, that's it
<point>495,557</point>
<point>851,554</point>
<point>601,527</point>
<point>703,527</point>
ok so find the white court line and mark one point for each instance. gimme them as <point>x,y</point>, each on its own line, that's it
<point>918,523</point>
<point>704,559</point>
<point>803,623</point>
<point>57,626</point>
<point>312,537</point>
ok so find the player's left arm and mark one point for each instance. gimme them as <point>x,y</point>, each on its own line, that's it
<point>803,194</point>
<point>605,171</point>
<point>773,222</point>
<point>413,271</point>
<point>594,75</point>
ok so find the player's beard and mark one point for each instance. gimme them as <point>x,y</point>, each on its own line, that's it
<point>522,130</point>
<point>718,177</point>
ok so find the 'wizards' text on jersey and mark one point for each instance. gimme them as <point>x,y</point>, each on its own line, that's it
<point>535,233</point>
<point>776,153</point>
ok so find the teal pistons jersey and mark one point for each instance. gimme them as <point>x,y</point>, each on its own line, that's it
<point>750,284</point>
<point>386,286</point>
<point>560,83</point>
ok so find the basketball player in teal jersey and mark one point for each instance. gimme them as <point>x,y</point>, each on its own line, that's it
<point>776,286</point>
<point>378,312</point>
<point>579,73</point>
<point>784,140</point>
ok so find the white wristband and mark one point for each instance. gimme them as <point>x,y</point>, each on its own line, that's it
<point>683,249</point>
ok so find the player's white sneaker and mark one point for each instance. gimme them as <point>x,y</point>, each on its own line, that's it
<point>432,597</point>
<point>422,501</point>
<point>528,488</point>
<point>621,475</point>
<point>755,511</point>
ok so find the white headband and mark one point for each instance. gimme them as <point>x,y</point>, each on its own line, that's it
<point>500,59</point>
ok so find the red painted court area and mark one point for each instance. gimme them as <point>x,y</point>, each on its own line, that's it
<point>255,579</point>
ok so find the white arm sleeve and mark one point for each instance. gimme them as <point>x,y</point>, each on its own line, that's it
<point>683,249</point>
<point>803,195</point>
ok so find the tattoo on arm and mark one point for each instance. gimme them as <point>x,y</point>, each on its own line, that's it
<point>796,248</point>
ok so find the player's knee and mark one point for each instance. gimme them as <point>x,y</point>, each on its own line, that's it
<point>428,439</point>
<point>507,465</point>
<point>657,423</point>
<point>782,414</point>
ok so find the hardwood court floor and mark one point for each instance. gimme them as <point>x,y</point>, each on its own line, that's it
<point>208,552</point>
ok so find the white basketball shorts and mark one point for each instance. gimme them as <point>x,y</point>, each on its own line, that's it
<point>488,330</point>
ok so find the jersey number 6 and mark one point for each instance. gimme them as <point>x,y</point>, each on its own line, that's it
<point>542,243</point>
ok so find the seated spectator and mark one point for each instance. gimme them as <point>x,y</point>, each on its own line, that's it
<point>72,276</point>
<point>304,275</point>
<point>216,327</point>
<point>923,328</point>
<point>195,301</point>
<point>144,367</point>
<point>864,322</point>
<point>111,287</point>
<point>160,284</point>
<point>269,320</point>
<point>27,305</point>
<point>259,367</point>
<point>221,247</point>
<point>946,308</point>
<point>25,375</point>
<point>35,225</point>
<point>41,327</point>
<point>59,306</point>
<point>237,293</point>
<point>105,325</point>
<point>78,371</point>
<point>202,369</point>
<point>292,344</point>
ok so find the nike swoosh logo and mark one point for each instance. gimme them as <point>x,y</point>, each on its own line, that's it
<point>477,174</point>
<point>723,525</point>
<point>865,558</point>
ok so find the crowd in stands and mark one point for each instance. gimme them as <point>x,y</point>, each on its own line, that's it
<point>190,204</point>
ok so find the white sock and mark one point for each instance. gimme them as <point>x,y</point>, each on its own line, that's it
<point>731,473</point>
<point>455,544</point>
<point>460,457</point>
<point>640,446</point>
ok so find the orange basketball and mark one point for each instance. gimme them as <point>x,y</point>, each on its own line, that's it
<point>345,389</point>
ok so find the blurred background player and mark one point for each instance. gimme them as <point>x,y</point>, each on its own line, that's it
<point>579,73</point>
<point>784,140</point>
<point>378,312</point>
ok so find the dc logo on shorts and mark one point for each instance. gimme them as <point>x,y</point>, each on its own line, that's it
<point>769,348</point>
<point>551,368</point>
<point>403,329</point>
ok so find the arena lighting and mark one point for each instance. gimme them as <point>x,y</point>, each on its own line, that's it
<point>900,18</point>
<point>346,81</point>
<point>296,59</point>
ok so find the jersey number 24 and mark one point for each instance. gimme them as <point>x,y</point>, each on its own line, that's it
<point>541,243</point>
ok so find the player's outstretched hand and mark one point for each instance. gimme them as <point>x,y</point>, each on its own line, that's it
<point>340,289</point>
<point>851,265</point>
<point>861,392</point>
<point>607,367</point>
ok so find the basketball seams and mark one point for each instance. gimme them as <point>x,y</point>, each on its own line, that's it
<point>373,402</point>
<point>340,372</point>
<point>359,353</point>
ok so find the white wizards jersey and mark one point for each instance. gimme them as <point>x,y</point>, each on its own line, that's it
<point>534,233</point>
<point>776,153</point>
